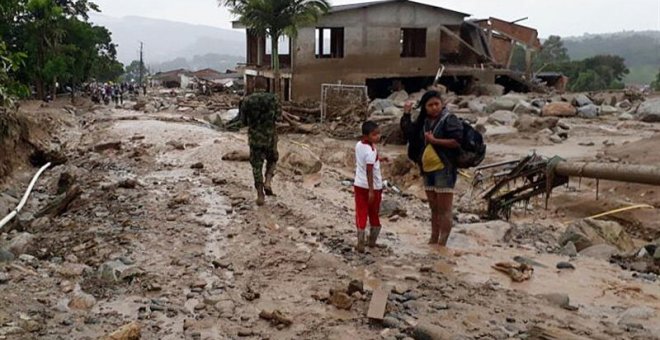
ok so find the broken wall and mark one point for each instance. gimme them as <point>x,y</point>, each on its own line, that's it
<point>372,47</point>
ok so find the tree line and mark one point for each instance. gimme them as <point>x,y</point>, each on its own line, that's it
<point>46,43</point>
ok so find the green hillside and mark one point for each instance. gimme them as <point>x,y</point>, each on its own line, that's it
<point>641,51</point>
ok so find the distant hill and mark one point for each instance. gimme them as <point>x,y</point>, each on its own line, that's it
<point>215,61</point>
<point>166,40</point>
<point>640,49</point>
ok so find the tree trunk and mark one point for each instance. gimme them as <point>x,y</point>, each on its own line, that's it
<point>275,63</point>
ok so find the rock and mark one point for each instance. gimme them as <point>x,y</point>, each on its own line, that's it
<point>20,244</point>
<point>649,111</point>
<point>130,331</point>
<point>276,318</point>
<point>559,109</point>
<point>341,300</point>
<point>390,207</point>
<point>636,314</point>
<point>557,299</point>
<point>393,111</point>
<point>107,146</point>
<point>608,110</point>
<point>198,165</point>
<point>379,105</point>
<point>178,145</point>
<point>81,300</point>
<point>398,97</point>
<point>626,116</point>
<point>640,266</point>
<point>589,111</point>
<point>6,255</point>
<point>523,107</point>
<point>527,123</point>
<point>390,322</point>
<point>427,331</point>
<point>588,232</point>
<point>599,251</point>
<point>301,162</point>
<point>502,103</point>
<point>556,139</point>
<point>4,278</point>
<point>114,271</point>
<point>581,100</point>
<point>502,117</point>
<point>467,218</point>
<point>565,265</point>
<point>237,156</point>
<point>226,308</point>
<point>476,106</point>
<point>569,249</point>
<point>656,256</point>
<point>494,90</point>
<point>355,286</point>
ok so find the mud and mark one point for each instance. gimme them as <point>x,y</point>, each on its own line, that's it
<point>206,262</point>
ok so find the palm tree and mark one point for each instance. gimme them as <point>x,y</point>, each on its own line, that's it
<point>276,18</point>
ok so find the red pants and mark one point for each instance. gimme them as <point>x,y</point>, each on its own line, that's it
<point>363,210</point>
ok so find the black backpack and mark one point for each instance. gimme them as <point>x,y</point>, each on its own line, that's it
<point>473,149</point>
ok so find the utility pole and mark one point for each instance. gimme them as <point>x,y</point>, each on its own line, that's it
<point>141,62</point>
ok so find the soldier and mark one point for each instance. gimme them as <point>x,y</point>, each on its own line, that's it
<point>259,112</point>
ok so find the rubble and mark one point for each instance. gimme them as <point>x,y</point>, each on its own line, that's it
<point>588,232</point>
<point>559,109</point>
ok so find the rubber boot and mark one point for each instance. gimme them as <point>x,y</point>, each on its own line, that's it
<point>373,236</point>
<point>268,189</point>
<point>261,198</point>
<point>361,241</point>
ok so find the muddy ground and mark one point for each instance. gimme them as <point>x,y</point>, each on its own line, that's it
<point>164,235</point>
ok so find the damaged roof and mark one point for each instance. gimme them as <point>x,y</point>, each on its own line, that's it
<point>361,5</point>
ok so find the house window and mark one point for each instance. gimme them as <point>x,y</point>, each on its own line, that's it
<point>284,46</point>
<point>413,42</point>
<point>329,42</point>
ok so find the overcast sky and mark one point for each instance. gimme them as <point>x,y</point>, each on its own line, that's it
<point>559,17</point>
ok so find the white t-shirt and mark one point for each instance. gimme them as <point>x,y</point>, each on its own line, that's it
<point>366,154</point>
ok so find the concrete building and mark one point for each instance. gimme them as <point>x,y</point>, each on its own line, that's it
<point>377,44</point>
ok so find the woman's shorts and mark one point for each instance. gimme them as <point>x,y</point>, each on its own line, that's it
<point>442,181</point>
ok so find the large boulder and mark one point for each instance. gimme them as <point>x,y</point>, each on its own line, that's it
<point>600,251</point>
<point>502,103</point>
<point>301,162</point>
<point>398,97</point>
<point>649,111</point>
<point>20,244</point>
<point>581,100</point>
<point>379,105</point>
<point>503,117</point>
<point>588,111</point>
<point>477,106</point>
<point>559,109</point>
<point>588,232</point>
<point>527,123</point>
<point>524,106</point>
<point>488,90</point>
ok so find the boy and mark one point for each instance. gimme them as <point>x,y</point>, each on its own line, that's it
<point>368,185</point>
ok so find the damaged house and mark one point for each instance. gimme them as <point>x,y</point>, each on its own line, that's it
<point>377,44</point>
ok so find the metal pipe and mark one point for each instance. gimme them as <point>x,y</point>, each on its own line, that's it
<point>642,174</point>
<point>25,196</point>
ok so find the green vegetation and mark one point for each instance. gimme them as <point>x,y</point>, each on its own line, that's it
<point>656,84</point>
<point>276,18</point>
<point>55,44</point>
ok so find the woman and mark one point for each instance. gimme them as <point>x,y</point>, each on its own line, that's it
<point>433,142</point>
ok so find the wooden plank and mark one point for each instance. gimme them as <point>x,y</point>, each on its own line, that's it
<point>379,302</point>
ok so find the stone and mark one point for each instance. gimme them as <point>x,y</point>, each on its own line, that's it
<point>398,97</point>
<point>636,314</point>
<point>559,109</point>
<point>588,232</point>
<point>427,331</point>
<point>20,244</point>
<point>476,106</point>
<point>565,265</point>
<point>390,322</point>
<point>355,286</point>
<point>114,271</point>
<point>589,111</point>
<point>81,300</point>
<point>599,251</point>
<point>4,278</point>
<point>226,308</point>
<point>131,331</point>
<point>6,256</point>
<point>198,165</point>
<point>467,218</point>
<point>237,156</point>
<point>393,111</point>
<point>341,300</point>
<point>502,103</point>
<point>379,105</point>
<point>503,117</point>
<point>107,146</point>
<point>557,299</point>
<point>608,110</point>
<point>527,123</point>
<point>569,249</point>
<point>301,162</point>
<point>640,266</point>
<point>390,207</point>
<point>524,107</point>
<point>556,139</point>
<point>581,100</point>
<point>626,116</point>
<point>494,90</point>
<point>649,111</point>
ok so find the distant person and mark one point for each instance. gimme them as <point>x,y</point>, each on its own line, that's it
<point>433,143</point>
<point>368,186</point>
<point>259,112</point>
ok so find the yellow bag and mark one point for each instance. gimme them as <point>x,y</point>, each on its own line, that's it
<point>430,160</point>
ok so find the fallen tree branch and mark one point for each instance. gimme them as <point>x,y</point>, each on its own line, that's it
<point>60,205</point>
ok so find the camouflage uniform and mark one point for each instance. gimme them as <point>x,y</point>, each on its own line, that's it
<point>259,112</point>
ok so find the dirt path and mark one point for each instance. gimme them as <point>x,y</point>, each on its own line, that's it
<point>197,260</point>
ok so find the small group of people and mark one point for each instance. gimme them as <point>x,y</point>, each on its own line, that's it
<point>434,139</point>
<point>112,93</point>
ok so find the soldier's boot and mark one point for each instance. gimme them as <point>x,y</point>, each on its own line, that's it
<point>373,236</point>
<point>268,183</point>
<point>261,198</point>
<point>361,241</point>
